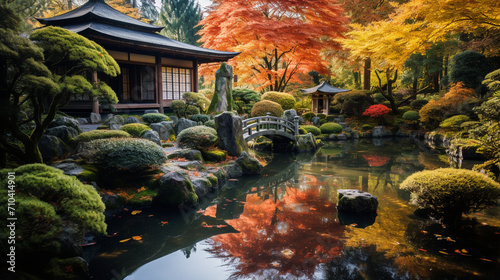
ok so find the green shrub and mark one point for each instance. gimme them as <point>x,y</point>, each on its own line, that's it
<point>404,109</point>
<point>197,137</point>
<point>411,116</point>
<point>418,104</point>
<point>122,154</point>
<point>454,122</point>
<point>470,125</point>
<point>311,128</point>
<point>449,192</point>
<point>305,104</point>
<point>489,110</point>
<point>379,98</point>
<point>154,118</point>
<point>308,116</point>
<point>181,109</point>
<point>352,103</point>
<point>261,108</point>
<point>468,67</point>
<point>302,130</point>
<point>200,118</point>
<point>366,127</point>
<point>285,100</point>
<point>210,123</point>
<point>214,155</point>
<point>46,202</point>
<point>101,134</point>
<point>329,128</point>
<point>135,129</point>
<point>245,99</point>
<point>321,116</point>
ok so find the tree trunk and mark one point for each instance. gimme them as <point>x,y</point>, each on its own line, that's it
<point>367,74</point>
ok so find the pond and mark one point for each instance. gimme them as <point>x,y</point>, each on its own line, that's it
<point>285,225</point>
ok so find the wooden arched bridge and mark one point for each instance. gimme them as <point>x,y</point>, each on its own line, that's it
<point>268,126</point>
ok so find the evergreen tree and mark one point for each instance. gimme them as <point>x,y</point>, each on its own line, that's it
<point>180,18</point>
<point>148,9</point>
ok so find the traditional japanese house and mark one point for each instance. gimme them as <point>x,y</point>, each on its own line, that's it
<point>322,96</point>
<point>154,69</point>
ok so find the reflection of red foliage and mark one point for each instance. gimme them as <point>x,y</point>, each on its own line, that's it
<point>374,160</point>
<point>375,111</point>
<point>287,237</point>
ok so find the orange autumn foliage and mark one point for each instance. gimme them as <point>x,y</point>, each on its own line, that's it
<point>277,38</point>
<point>290,236</point>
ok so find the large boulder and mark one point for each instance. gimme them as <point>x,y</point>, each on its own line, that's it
<point>131,119</point>
<point>116,122</point>
<point>66,133</point>
<point>244,165</point>
<point>152,136</point>
<point>183,124</point>
<point>316,121</point>
<point>95,118</point>
<point>50,147</point>
<point>175,119</point>
<point>69,167</point>
<point>230,131</point>
<point>223,98</point>
<point>175,191</point>
<point>289,115</point>
<point>305,143</point>
<point>380,131</point>
<point>202,187</point>
<point>67,122</point>
<point>356,201</point>
<point>164,129</point>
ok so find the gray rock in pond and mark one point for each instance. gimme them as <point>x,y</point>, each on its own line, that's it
<point>356,201</point>
<point>342,136</point>
<point>153,136</point>
<point>175,191</point>
<point>50,147</point>
<point>244,165</point>
<point>230,132</point>
<point>67,122</point>
<point>65,133</point>
<point>305,143</point>
<point>131,119</point>
<point>202,187</point>
<point>151,111</point>
<point>183,124</point>
<point>95,118</point>
<point>189,154</point>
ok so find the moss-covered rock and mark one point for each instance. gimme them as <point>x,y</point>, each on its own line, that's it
<point>244,165</point>
<point>331,127</point>
<point>214,155</point>
<point>305,143</point>
<point>261,143</point>
<point>198,137</point>
<point>101,134</point>
<point>154,118</point>
<point>175,191</point>
<point>311,128</point>
<point>135,129</point>
<point>189,154</point>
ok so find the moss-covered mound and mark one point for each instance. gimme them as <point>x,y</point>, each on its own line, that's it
<point>329,128</point>
<point>197,137</point>
<point>47,203</point>
<point>449,192</point>
<point>101,134</point>
<point>312,129</point>
<point>214,155</point>
<point>285,100</point>
<point>135,129</point>
<point>154,118</point>
<point>263,107</point>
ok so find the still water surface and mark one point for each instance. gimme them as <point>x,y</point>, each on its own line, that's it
<point>285,225</point>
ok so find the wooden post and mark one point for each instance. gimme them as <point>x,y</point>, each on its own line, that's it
<point>159,83</point>
<point>195,75</point>
<point>367,74</point>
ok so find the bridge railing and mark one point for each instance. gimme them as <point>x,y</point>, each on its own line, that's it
<point>268,122</point>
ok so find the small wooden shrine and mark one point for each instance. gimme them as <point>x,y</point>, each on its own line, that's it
<point>322,96</point>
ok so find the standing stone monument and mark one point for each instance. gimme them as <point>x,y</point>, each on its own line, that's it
<point>223,97</point>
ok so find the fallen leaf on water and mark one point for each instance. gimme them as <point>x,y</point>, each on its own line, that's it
<point>486,260</point>
<point>443,252</point>
<point>125,209</point>
<point>135,212</point>
<point>125,240</point>
<point>137,237</point>
<point>465,251</point>
<point>423,250</point>
<point>233,180</point>
<point>449,239</point>
<point>163,223</point>
<point>113,235</point>
<point>312,209</point>
<point>424,232</point>
<point>88,244</point>
<point>275,264</point>
<point>221,226</point>
<point>141,189</point>
<point>150,216</point>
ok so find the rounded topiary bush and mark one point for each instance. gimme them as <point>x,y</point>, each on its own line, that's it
<point>47,201</point>
<point>329,128</point>
<point>197,137</point>
<point>200,118</point>
<point>122,154</point>
<point>154,118</point>
<point>411,116</point>
<point>312,129</point>
<point>308,116</point>
<point>101,134</point>
<point>261,108</point>
<point>448,193</point>
<point>454,122</point>
<point>285,100</point>
<point>135,129</point>
<point>418,104</point>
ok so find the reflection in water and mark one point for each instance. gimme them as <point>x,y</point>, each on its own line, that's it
<point>284,225</point>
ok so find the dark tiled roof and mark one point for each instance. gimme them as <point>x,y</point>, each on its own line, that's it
<point>98,11</point>
<point>150,39</point>
<point>324,87</point>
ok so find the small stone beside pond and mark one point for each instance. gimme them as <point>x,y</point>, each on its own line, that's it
<point>356,201</point>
